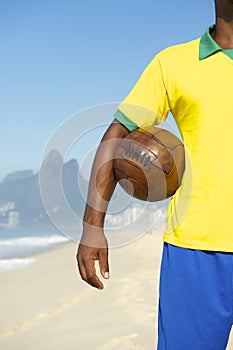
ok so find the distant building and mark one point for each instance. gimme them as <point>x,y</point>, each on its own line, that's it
<point>5,207</point>
<point>13,219</point>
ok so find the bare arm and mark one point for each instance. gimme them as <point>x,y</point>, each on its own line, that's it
<point>93,245</point>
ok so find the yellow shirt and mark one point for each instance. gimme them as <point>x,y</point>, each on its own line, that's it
<point>199,94</point>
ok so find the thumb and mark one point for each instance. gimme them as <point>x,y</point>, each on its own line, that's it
<point>103,262</point>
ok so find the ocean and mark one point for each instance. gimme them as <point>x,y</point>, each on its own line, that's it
<point>19,247</point>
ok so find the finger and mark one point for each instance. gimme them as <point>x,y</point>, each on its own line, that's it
<point>103,262</point>
<point>81,266</point>
<point>82,270</point>
<point>92,278</point>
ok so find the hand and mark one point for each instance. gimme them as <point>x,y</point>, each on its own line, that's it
<point>93,246</point>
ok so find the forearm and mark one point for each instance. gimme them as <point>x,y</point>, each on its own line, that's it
<point>102,180</point>
<point>93,244</point>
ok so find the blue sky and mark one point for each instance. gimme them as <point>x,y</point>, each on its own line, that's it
<point>61,56</point>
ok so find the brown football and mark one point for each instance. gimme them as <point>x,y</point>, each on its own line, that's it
<point>149,163</point>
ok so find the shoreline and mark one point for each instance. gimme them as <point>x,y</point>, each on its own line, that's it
<point>27,258</point>
<point>23,245</point>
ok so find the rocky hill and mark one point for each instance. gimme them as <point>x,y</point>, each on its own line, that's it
<point>20,191</point>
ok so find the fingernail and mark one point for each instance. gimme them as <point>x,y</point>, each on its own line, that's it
<point>106,274</point>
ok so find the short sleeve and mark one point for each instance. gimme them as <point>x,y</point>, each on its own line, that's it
<point>147,103</point>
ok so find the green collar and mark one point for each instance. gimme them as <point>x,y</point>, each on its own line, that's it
<point>208,46</point>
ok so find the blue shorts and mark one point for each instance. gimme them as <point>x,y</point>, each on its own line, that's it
<point>196,299</point>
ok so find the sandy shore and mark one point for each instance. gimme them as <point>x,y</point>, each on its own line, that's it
<point>47,306</point>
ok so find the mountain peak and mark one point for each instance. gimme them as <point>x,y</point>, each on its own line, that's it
<point>53,159</point>
<point>54,155</point>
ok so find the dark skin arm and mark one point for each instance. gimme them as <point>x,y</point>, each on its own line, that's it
<point>93,245</point>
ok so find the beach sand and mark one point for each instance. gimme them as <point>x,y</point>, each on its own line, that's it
<point>47,306</point>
